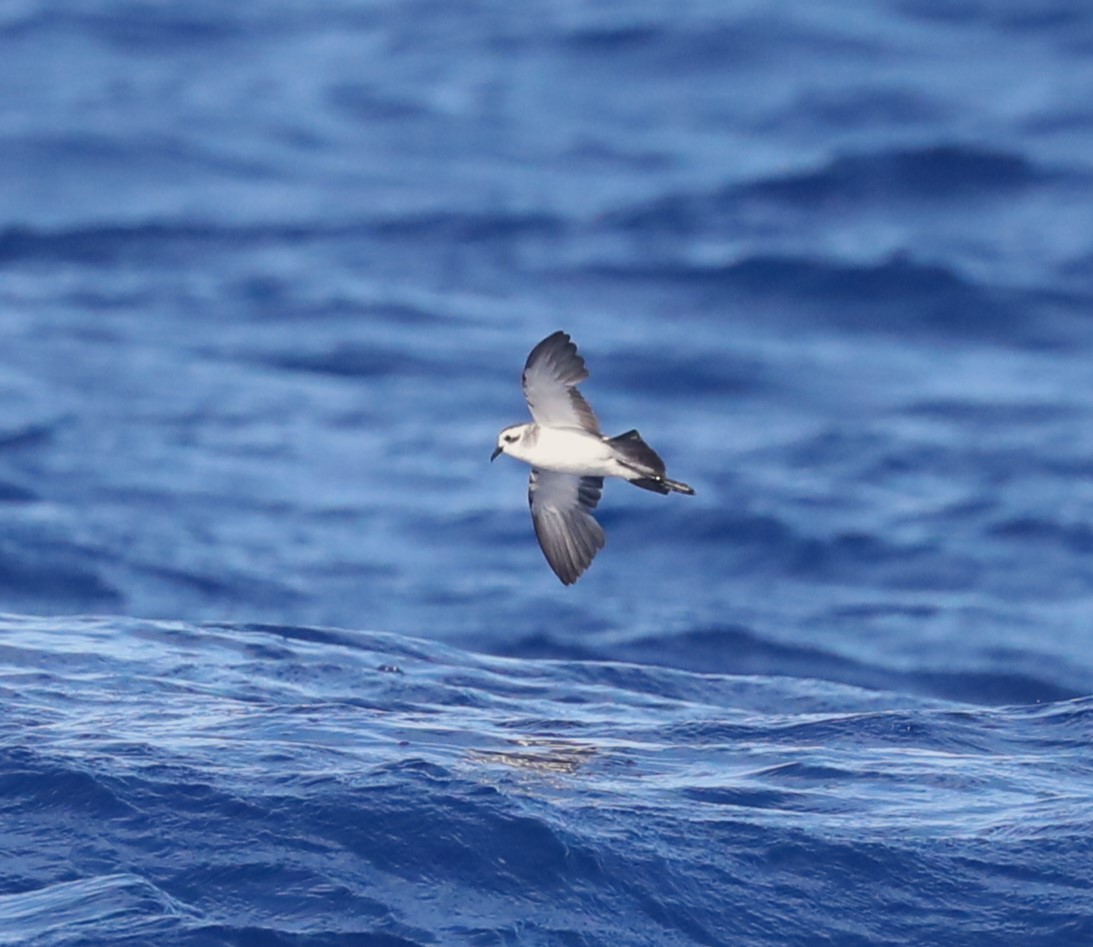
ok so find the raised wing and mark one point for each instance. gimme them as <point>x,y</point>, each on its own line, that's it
<point>561,509</point>
<point>551,374</point>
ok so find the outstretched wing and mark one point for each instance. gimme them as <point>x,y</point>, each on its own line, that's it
<point>551,374</point>
<point>561,509</point>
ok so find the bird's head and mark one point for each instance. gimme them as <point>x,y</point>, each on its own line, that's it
<point>507,438</point>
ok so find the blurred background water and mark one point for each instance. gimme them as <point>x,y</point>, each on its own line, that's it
<point>268,276</point>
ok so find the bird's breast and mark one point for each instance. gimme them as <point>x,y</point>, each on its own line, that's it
<point>571,451</point>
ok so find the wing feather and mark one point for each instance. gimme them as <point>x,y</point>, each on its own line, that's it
<point>551,374</point>
<point>561,511</point>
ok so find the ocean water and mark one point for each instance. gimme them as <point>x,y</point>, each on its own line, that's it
<point>280,660</point>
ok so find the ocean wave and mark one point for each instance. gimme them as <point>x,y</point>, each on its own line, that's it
<point>217,784</point>
<point>938,172</point>
<point>120,908</point>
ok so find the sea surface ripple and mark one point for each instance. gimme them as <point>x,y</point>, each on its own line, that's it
<point>280,660</point>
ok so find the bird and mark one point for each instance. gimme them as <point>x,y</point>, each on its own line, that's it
<point>570,458</point>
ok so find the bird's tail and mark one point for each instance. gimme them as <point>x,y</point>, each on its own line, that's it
<point>663,485</point>
<point>634,453</point>
<point>677,487</point>
<point>631,450</point>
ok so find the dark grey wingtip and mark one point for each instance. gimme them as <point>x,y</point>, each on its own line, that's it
<point>562,351</point>
<point>569,537</point>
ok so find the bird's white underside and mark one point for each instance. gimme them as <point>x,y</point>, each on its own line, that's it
<point>565,450</point>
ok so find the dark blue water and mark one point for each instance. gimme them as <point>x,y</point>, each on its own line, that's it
<point>282,663</point>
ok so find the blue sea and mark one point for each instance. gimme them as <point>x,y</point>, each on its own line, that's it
<point>281,662</point>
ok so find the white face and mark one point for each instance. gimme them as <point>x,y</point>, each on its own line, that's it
<point>508,437</point>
